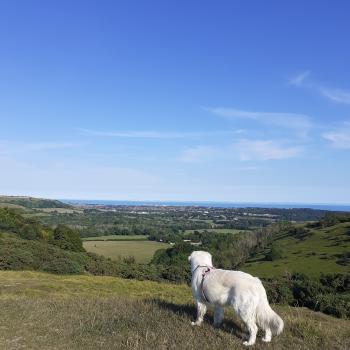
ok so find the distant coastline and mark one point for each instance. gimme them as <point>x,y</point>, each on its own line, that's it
<point>333,207</point>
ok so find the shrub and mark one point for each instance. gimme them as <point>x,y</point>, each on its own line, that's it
<point>10,220</point>
<point>30,231</point>
<point>275,253</point>
<point>344,259</point>
<point>67,238</point>
<point>334,304</point>
<point>62,265</point>
<point>337,282</point>
<point>129,259</point>
<point>14,258</point>
<point>279,291</point>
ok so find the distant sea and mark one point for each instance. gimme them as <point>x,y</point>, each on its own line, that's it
<point>334,207</point>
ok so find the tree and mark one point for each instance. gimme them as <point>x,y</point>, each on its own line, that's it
<point>274,253</point>
<point>67,238</point>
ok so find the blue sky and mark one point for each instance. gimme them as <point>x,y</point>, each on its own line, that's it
<point>176,100</point>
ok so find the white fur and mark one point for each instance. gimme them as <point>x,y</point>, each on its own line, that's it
<point>237,289</point>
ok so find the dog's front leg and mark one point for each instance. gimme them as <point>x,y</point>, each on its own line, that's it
<point>218,315</point>
<point>201,310</point>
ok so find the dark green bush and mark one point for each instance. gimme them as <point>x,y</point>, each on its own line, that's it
<point>62,265</point>
<point>337,282</point>
<point>334,304</point>
<point>344,259</point>
<point>14,258</point>
<point>329,294</point>
<point>279,291</point>
<point>10,220</point>
<point>67,238</point>
<point>275,253</point>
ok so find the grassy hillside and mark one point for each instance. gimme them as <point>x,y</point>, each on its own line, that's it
<point>311,251</point>
<point>23,202</point>
<point>44,311</point>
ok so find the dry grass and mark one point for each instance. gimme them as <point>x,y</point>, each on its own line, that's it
<point>122,316</point>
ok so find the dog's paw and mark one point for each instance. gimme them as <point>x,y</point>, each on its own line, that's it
<point>266,340</point>
<point>247,343</point>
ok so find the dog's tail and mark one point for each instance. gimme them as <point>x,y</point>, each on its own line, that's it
<point>266,318</point>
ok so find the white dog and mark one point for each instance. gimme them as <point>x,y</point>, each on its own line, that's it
<point>243,292</point>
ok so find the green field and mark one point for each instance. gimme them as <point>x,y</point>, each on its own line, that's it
<point>142,250</point>
<point>43,311</point>
<point>317,253</point>
<point>117,238</point>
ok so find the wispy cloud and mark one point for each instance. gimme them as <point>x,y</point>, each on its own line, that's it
<point>155,134</point>
<point>198,154</point>
<point>244,150</point>
<point>299,79</point>
<point>41,146</point>
<point>8,147</point>
<point>339,138</point>
<point>264,150</point>
<point>336,95</point>
<point>294,121</point>
<point>333,94</point>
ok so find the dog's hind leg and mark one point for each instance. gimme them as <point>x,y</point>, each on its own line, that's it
<point>252,329</point>
<point>218,315</point>
<point>267,337</point>
<point>247,314</point>
<point>201,310</point>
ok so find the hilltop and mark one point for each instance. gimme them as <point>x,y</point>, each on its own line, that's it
<point>44,311</point>
<point>25,203</point>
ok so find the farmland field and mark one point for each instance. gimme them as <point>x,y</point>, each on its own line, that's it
<point>117,238</point>
<point>142,250</point>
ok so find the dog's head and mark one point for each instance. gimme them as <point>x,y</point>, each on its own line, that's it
<point>200,257</point>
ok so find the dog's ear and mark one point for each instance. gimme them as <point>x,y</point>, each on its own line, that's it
<point>189,258</point>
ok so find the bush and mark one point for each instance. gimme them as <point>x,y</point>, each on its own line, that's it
<point>14,258</point>
<point>279,291</point>
<point>129,259</point>
<point>20,254</point>
<point>176,274</point>
<point>337,282</point>
<point>334,304</point>
<point>305,292</point>
<point>30,231</point>
<point>275,253</point>
<point>67,238</point>
<point>344,259</point>
<point>62,265</point>
<point>10,220</point>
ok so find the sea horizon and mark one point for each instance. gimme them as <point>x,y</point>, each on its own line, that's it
<point>218,204</point>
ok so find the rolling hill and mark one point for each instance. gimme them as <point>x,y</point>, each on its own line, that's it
<point>23,202</point>
<point>305,249</point>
